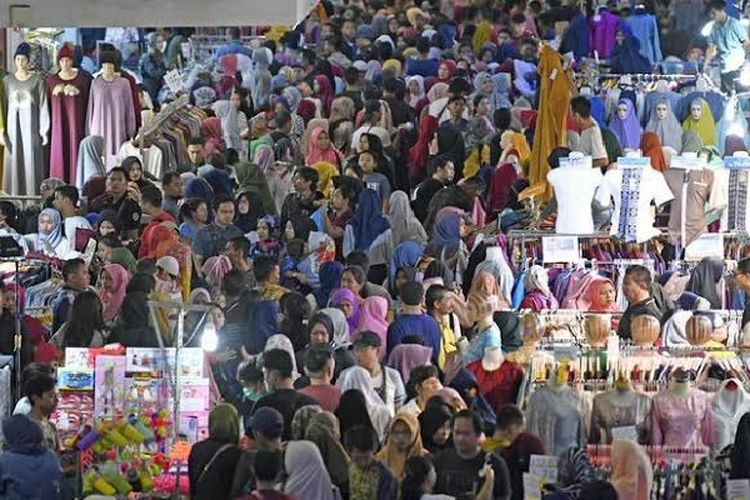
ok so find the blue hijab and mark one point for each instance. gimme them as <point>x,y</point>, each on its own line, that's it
<point>626,57</point>
<point>197,187</point>
<point>56,235</point>
<point>368,222</point>
<point>330,279</point>
<point>447,231</point>
<point>406,255</point>
<point>220,181</point>
<point>263,315</point>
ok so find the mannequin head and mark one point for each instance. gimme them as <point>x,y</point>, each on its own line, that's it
<point>698,330</point>
<point>622,110</point>
<point>662,111</point>
<point>645,330</point>
<point>108,70</point>
<point>696,109</point>
<point>597,327</point>
<point>66,64</point>
<point>533,329</point>
<point>22,63</point>
<point>21,57</point>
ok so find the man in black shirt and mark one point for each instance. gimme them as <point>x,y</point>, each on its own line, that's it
<point>460,196</point>
<point>636,287</point>
<point>120,199</point>
<point>267,426</point>
<point>458,468</point>
<point>443,170</point>
<point>277,369</point>
<point>305,199</point>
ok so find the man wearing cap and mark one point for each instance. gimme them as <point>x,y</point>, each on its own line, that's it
<point>386,381</point>
<point>168,277</point>
<point>277,371</point>
<point>266,426</point>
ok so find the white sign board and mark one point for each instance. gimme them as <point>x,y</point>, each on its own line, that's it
<point>707,245</point>
<point>560,249</point>
<point>174,81</point>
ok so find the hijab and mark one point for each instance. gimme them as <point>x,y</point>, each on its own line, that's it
<point>353,411</point>
<point>325,93</point>
<point>248,222</point>
<point>358,378</point>
<point>123,257</point>
<point>451,65</point>
<point>326,173</point>
<point>55,236</point>
<point>626,57</point>
<point>740,456</point>
<point>306,474</point>
<point>281,341</point>
<point>500,91</point>
<point>632,473</point>
<point>330,279</point>
<point>90,162</point>
<point>340,326</point>
<point>199,187</point>
<point>691,142</point>
<point>592,299</point>
<point>346,295</point>
<point>213,142</point>
<point>404,224</point>
<point>537,279</point>
<point>669,129</point>
<point>627,130</point>
<point>437,91</point>
<point>414,99</point>
<point>451,144</point>
<point>23,435</point>
<point>391,456</point>
<point>430,420</point>
<point>651,148</point>
<point>705,126</point>
<point>372,317</point>
<point>251,180</point>
<point>406,357</point>
<point>447,230</point>
<point>419,153</point>
<point>368,222</point>
<point>330,155</point>
<point>293,96</point>
<point>704,279</point>
<point>112,301</point>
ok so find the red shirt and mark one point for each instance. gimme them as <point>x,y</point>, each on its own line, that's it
<point>327,396</point>
<point>500,386</point>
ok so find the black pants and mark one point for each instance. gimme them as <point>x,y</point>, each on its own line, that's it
<point>728,80</point>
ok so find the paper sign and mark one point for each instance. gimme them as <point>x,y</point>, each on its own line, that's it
<point>174,81</point>
<point>631,162</point>
<point>736,162</point>
<point>531,487</point>
<point>625,433</point>
<point>576,162</point>
<point>544,467</point>
<point>687,163</point>
<point>707,245</point>
<point>560,249</point>
<point>109,384</point>
<point>738,489</point>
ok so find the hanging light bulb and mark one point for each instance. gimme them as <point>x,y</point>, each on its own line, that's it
<point>706,30</point>
<point>209,340</point>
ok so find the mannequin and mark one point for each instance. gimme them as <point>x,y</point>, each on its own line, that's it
<point>574,187</point>
<point>698,330</point>
<point>681,415</point>
<point>554,414</point>
<point>597,328</point>
<point>69,95</point>
<point>730,403</point>
<point>533,331</point>
<point>620,412</point>
<point>645,330</point>
<point>499,380</point>
<point>26,127</point>
<point>110,112</point>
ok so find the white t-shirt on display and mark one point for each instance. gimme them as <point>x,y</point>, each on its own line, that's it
<point>574,191</point>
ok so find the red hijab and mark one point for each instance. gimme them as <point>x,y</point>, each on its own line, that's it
<point>213,142</point>
<point>420,151</point>
<point>651,147</point>
<point>325,93</point>
<point>451,65</point>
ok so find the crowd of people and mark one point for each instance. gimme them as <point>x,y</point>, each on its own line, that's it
<point>342,215</point>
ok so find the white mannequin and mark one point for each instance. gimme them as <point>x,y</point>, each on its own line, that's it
<point>492,359</point>
<point>623,395</point>
<point>696,111</point>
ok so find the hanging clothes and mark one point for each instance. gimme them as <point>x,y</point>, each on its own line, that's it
<point>110,114</point>
<point>730,403</point>
<point>68,101</point>
<point>682,421</point>
<point>554,101</point>
<point>646,30</point>
<point>555,417</point>
<point>691,189</point>
<point>602,31</point>
<point>26,126</point>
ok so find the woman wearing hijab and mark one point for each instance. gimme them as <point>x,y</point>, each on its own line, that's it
<point>212,461</point>
<point>373,318</point>
<point>323,91</point>
<point>328,328</point>
<point>280,341</point>
<point>330,279</point>
<point>651,148</point>
<point>435,426</point>
<point>326,173</point>
<point>114,281</point>
<point>419,153</point>
<point>704,280</point>
<point>450,143</point>
<point>90,160</point>
<point>403,442</point>
<point>500,91</point>
<point>626,126</point>
<point>405,256</point>
<point>664,124</point>
<point>358,378</point>
<point>538,295</point>
<point>367,224</point>
<point>449,227</point>
<point>249,211</point>
<point>632,473</point>
<point>600,297</point>
<point>323,430</point>
<point>353,411</point>
<point>251,179</point>
<point>321,149</point>
<point>133,327</point>
<point>446,70</point>
<point>49,238</point>
<point>701,121</point>
<point>415,89</point>
<point>306,474</point>
<point>404,224</point>
<point>213,141</point>
<point>626,56</point>
<point>348,303</point>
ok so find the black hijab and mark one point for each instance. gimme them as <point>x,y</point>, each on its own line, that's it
<point>704,278</point>
<point>434,416</point>
<point>740,456</point>
<point>352,411</point>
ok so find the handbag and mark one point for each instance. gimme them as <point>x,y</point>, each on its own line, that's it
<point>211,462</point>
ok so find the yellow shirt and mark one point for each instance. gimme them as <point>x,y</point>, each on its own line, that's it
<point>447,341</point>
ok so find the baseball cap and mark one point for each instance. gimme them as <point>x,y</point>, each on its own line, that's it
<point>267,420</point>
<point>367,338</point>
<point>169,264</point>
<point>360,65</point>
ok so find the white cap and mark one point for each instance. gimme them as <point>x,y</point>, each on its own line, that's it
<point>360,65</point>
<point>169,264</point>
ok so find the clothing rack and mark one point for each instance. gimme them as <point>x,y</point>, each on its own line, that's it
<point>166,112</point>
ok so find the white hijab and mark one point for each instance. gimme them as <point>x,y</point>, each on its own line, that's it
<point>358,378</point>
<point>307,476</point>
<point>340,326</point>
<point>280,341</point>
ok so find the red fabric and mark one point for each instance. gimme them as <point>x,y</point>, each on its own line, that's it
<point>306,110</point>
<point>451,69</point>
<point>148,242</point>
<point>501,183</point>
<point>136,93</point>
<point>499,387</point>
<point>420,152</point>
<point>213,142</point>
<point>325,93</point>
<point>651,147</point>
<point>571,125</point>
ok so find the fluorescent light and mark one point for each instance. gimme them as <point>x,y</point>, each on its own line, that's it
<point>706,30</point>
<point>209,340</point>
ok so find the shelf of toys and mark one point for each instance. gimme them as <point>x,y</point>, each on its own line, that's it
<point>115,417</point>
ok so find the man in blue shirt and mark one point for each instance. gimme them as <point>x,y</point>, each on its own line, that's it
<point>212,239</point>
<point>413,321</point>
<point>729,41</point>
<point>234,45</point>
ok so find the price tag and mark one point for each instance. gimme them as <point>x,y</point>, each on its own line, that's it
<point>174,81</point>
<point>560,249</point>
<point>544,467</point>
<point>532,489</point>
<point>576,162</point>
<point>633,162</point>
<point>613,348</point>
<point>737,489</point>
<point>625,433</point>
<point>687,163</point>
<point>736,162</point>
<point>707,245</point>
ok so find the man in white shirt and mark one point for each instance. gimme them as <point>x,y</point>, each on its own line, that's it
<point>591,143</point>
<point>66,202</point>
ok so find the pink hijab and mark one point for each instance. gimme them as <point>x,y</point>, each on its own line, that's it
<point>406,357</point>
<point>213,142</point>
<point>372,317</point>
<point>112,301</point>
<point>330,155</point>
<point>632,474</point>
<point>325,93</point>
